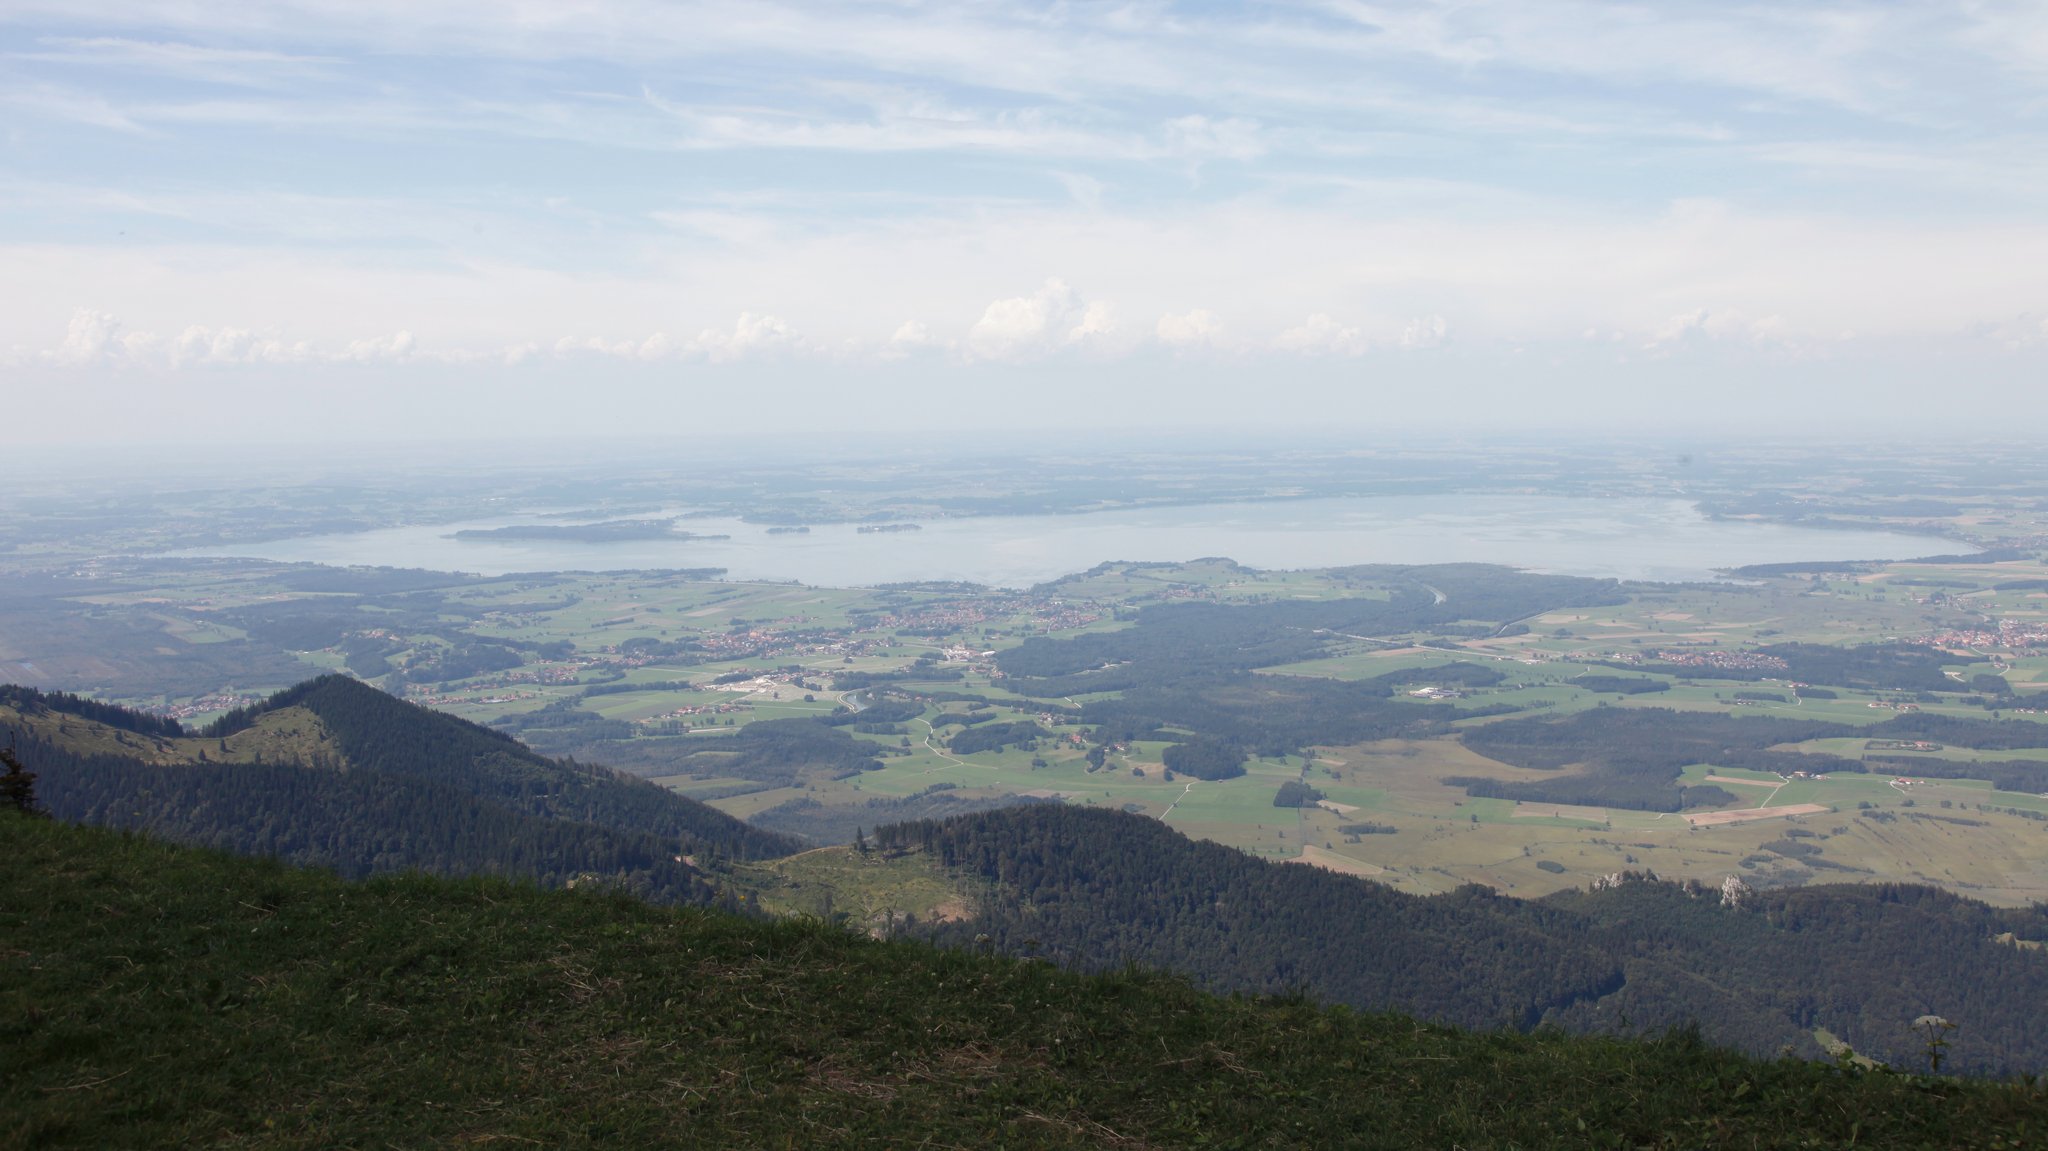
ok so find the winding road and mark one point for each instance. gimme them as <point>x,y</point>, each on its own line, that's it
<point>1176,803</point>
<point>930,731</point>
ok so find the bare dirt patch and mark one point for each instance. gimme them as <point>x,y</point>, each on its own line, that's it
<point>1330,861</point>
<point>1748,814</point>
<point>1339,808</point>
<point>1744,782</point>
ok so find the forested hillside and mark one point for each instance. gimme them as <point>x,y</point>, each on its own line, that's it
<point>1631,758</point>
<point>392,786</point>
<point>1177,641</point>
<point>410,788</point>
<point>1096,888</point>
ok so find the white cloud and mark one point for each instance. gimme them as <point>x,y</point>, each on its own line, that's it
<point>1424,332</point>
<point>1321,335</point>
<point>88,340</point>
<point>595,345</point>
<point>227,346</point>
<point>95,339</point>
<point>1376,175</point>
<point>911,334</point>
<point>1704,324</point>
<point>752,334</point>
<point>201,345</point>
<point>1189,329</point>
<point>1052,317</point>
<point>1097,320</point>
<point>1316,279</point>
<point>655,347</point>
<point>395,347</point>
<point>910,337</point>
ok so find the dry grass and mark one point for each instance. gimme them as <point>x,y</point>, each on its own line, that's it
<point>1750,814</point>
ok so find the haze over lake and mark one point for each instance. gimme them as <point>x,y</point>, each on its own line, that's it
<point>1641,539</point>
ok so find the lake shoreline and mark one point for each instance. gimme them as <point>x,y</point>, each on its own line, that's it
<point>1660,540</point>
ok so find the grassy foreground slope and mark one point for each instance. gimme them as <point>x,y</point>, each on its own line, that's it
<point>154,996</point>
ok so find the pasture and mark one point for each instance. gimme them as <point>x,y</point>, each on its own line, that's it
<point>645,652</point>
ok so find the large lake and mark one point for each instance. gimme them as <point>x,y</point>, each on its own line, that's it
<point>1643,539</point>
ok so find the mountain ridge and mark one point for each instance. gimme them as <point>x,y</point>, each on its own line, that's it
<point>1096,888</point>
<point>380,785</point>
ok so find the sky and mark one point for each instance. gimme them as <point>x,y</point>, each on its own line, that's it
<point>331,220</point>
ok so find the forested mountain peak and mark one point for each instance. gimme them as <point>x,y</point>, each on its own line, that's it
<point>337,773</point>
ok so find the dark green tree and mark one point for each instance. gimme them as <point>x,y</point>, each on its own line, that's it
<point>18,786</point>
<point>1294,793</point>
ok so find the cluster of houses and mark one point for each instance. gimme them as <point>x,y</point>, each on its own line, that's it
<point>2006,633</point>
<point>770,682</point>
<point>538,674</point>
<point>1735,660</point>
<point>205,705</point>
<point>422,694</point>
<point>724,708</point>
<point>1059,615</point>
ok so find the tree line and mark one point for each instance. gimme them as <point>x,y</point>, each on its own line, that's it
<point>1095,889</point>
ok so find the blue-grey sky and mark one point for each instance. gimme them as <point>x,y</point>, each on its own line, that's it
<point>375,219</point>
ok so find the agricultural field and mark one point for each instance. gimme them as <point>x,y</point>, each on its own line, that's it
<point>1959,834</point>
<point>664,674</point>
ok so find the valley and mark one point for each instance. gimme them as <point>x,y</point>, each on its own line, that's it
<point>655,672</point>
<point>1339,779</point>
<point>388,788</point>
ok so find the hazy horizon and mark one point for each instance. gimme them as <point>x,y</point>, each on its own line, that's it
<point>315,458</point>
